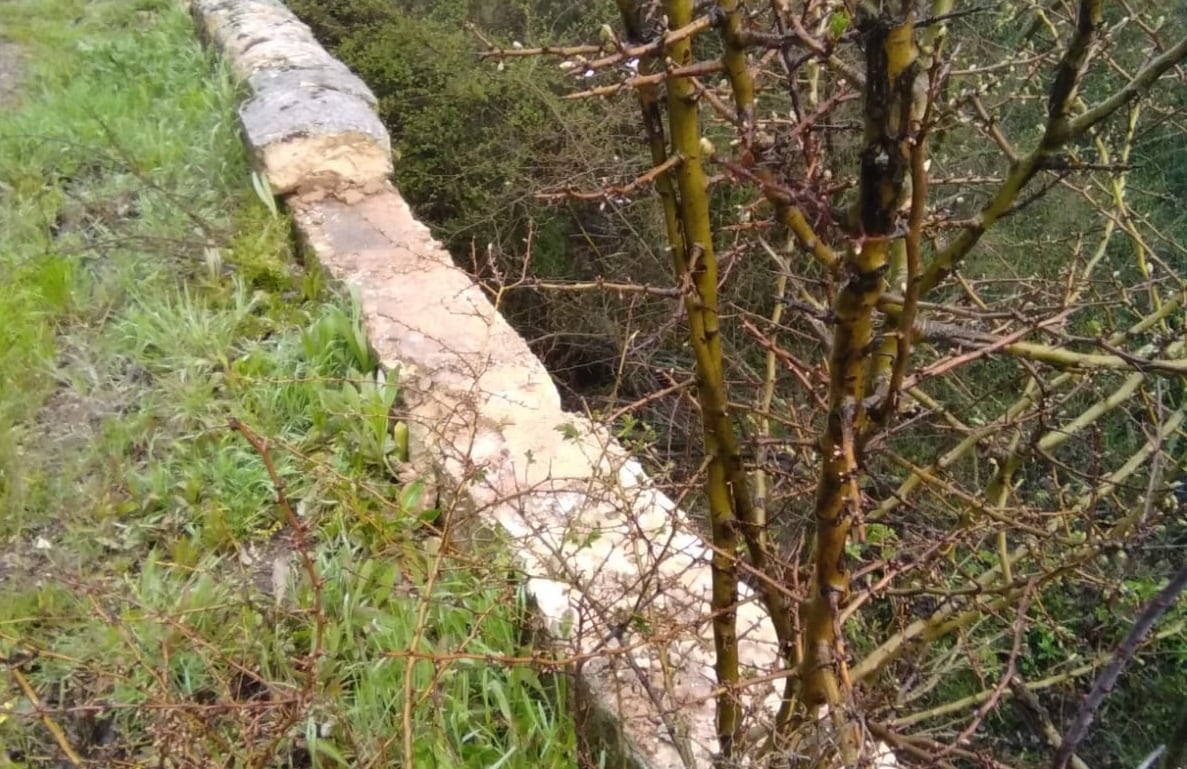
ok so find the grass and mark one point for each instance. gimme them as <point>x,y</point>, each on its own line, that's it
<point>161,603</point>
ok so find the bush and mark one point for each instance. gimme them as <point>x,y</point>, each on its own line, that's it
<point>472,141</point>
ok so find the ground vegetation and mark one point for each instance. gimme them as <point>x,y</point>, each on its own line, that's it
<point>211,552</point>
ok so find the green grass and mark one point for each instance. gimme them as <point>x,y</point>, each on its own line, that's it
<point>157,604</point>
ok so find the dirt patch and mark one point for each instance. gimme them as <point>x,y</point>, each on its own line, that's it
<point>12,71</point>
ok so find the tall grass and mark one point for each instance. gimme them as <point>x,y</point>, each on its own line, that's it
<point>171,591</point>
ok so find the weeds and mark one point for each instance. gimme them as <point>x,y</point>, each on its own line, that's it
<point>206,555</point>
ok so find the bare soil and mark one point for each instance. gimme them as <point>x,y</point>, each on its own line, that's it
<point>12,72</point>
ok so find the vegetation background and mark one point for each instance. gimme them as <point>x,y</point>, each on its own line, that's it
<point>213,555</point>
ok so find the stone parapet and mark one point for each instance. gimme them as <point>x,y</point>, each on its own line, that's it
<point>619,576</point>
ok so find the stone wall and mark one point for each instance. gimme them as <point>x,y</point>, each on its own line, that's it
<point>620,578</point>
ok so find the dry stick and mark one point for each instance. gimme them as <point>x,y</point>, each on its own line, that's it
<point>300,537</point>
<point>1015,411</point>
<point>766,392</point>
<point>675,387</point>
<point>624,54</point>
<point>942,621</point>
<point>646,592</point>
<point>647,177</point>
<point>944,366</point>
<point>710,96</point>
<point>1037,713</point>
<point>797,367</point>
<point>1011,668</point>
<point>597,285</point>
<point>998,488</point>
<point>925,749</point>
<point>793,652</point>
<point>692,70</point>
<point>262,448</point>
<point>179,203</point>
<point>55,730</point>
<point>136,649</point>
<point>850,73</point>
<point>789,215</point>
<point>1057,356</point>
<point>673,720</point>
<point>420,628</point>
<point>1058,679</point>
<point>682,34</point>
<point>1108,677</point>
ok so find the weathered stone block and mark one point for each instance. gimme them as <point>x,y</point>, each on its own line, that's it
<point>335,76</point>
<point>310,121</point>
<point>314,137</point>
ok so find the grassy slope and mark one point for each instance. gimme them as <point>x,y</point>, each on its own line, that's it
<point>151,601</point>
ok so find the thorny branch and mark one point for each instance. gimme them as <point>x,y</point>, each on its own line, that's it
<point>845,214</point>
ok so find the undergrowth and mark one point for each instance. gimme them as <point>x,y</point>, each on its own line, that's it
<point>208,556</point>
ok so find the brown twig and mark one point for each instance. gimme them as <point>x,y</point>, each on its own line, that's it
<point>612,191</point>
<point>1121,657</point>
<point>300,538</point>
<point>56,731</point>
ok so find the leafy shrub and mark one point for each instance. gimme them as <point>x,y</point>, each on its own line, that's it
<point>472,141</point>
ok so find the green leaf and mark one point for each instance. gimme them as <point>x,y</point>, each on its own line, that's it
<point>411,495</point>
<point>263,190</point>
<point>838,23</point>
<point>323,748</point>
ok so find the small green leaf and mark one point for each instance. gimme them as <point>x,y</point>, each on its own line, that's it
<point>838,23</point>
<point>325,749</point>
<point>877,533</point>
<point>400,434</point>
<point>411,495</point>
<point>263,190</point>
